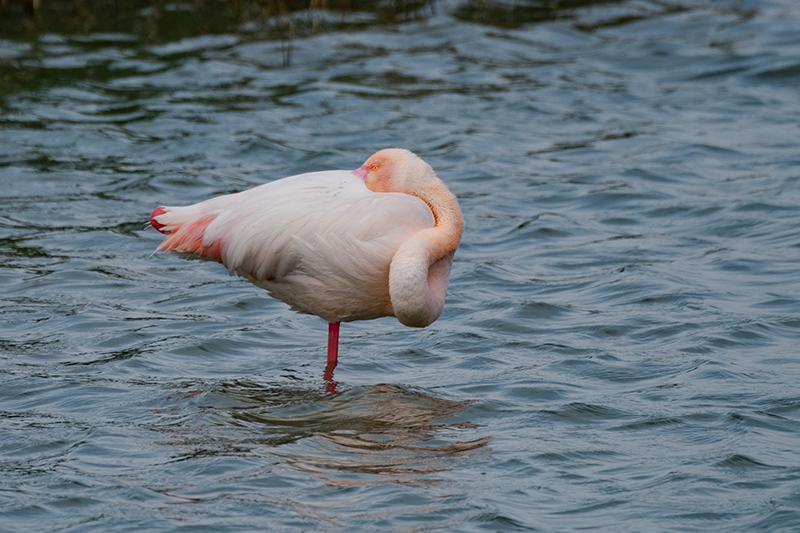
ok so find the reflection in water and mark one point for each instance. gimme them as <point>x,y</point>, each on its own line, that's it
<point>327,377</point>
<point>160,22</point>
<point>273,19</point>
<point>365,435</point>
<point>376,458</point>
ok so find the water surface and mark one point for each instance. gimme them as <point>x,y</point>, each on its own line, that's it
<point>619,348</point>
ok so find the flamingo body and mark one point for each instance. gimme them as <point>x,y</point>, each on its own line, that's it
<point>337,244</point>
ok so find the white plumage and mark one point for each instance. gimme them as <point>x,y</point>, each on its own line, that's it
<point>328,244</point>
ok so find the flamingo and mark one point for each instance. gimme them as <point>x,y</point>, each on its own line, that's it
<point>342,245</point>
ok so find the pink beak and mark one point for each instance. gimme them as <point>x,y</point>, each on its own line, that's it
<point>361,172</point>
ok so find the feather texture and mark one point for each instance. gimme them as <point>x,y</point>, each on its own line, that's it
<point>321,242</point>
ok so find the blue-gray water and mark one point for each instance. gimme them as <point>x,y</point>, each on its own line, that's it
<point>620,349</point>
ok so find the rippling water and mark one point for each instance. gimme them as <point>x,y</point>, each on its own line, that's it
<point>619,349</point>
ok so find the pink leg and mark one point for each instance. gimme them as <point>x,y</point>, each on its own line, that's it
<point>333,352</point>
<point>333,342</point>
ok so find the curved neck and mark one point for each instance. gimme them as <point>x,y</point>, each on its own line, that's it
<point>420,269</point>
<point>448,221</point>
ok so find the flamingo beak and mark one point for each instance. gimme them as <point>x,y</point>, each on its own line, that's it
<point>361,172</point>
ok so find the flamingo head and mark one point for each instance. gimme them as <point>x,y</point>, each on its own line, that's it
<point>395,170</point>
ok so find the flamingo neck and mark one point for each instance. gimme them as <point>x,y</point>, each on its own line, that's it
<point>448,220</point>
<point>420,269</point>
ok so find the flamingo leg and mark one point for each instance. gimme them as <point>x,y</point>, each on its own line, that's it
<point>333,353</point>
<point>333,343</point>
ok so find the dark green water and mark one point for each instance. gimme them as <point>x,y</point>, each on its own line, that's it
<point>620,349</point>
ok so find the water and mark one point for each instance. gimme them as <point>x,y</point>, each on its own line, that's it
<point>619,349</point>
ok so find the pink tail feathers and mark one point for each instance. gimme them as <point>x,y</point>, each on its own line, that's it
<point>185,236</point>
<point>157,212</point>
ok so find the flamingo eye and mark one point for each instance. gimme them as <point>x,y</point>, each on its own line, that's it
<point>374,166</point>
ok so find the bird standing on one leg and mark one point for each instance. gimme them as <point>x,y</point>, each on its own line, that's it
<point>342,245</point>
